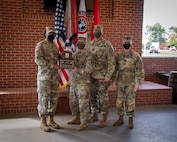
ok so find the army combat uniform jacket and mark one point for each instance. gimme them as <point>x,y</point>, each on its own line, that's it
<point>46,56</point>
<point>83,63</point>
<point>130,67</point>
<point>104,60</point>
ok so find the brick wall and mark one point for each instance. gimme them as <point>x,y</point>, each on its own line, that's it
<point>16,101</point>
<point>22,25</point>
<point>24,100</point>
<point>153,65</point>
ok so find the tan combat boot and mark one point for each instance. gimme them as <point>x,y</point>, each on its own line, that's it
<point>52,123</point>
<point>130,123</point>
<point>83,125</point>
<point>119,122</point>
<point>93,118</point>
<point>44,125</point>
<point>75,120</point>
<point>103,122</point>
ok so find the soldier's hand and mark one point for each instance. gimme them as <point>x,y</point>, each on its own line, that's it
<point>137,86</point>
<point>73,69</point>
<point>56,66</point>
<point>107,79</point>
<point>114,83</point>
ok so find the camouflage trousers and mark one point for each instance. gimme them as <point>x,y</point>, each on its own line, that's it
<point>99,96</point>
<point>79,100</point>
<point>125,99</point>
<point>47,97</point>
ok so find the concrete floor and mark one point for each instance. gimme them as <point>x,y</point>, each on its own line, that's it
<point>152,124</point>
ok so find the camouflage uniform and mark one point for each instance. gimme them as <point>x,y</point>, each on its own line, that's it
<point>46,56</point>
<point>104,66</point>
<point>130,72</point>
<point>80,82</point>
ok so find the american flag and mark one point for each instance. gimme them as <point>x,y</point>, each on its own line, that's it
<point>60,27</point>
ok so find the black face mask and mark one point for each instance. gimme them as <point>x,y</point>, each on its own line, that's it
<point>126,46</point>
<point>51,37</point>
<point>80,45</point>
<point>97,34</point>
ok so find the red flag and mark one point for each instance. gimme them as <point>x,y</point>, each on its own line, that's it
<point>96,16</point>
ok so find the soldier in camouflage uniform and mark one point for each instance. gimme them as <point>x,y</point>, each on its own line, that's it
<point>46,57</point>
<point>130,70</point>
<point>104,66</point>
<point>80,82</point>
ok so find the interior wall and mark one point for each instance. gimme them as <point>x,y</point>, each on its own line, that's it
<point>23,22</point>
